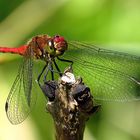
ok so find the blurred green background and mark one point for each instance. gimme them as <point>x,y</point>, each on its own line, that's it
<point>114,24</point>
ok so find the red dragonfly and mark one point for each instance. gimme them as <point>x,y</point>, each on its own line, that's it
<point>110,75</point>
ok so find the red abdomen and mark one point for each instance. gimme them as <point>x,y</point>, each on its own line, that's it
<point>20,50</point>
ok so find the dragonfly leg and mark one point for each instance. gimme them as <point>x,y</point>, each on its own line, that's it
<point>38,79</point>
<point>65,60</point>
<point>49,87</point>
<point>50,67</point>
<point>60,73</point>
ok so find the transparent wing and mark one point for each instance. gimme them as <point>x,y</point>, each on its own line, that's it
<point>20,99</point>
<point>110,75</point>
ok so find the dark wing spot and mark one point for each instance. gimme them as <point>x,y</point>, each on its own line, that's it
<point>6,106</point>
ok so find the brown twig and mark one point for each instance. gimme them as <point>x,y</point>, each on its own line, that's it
<point>70,104</point>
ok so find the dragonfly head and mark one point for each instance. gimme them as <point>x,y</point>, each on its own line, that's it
<point>60,44</point>
<point>56,45</point>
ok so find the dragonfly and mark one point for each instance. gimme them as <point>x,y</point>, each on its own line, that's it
<point>111,75</point>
